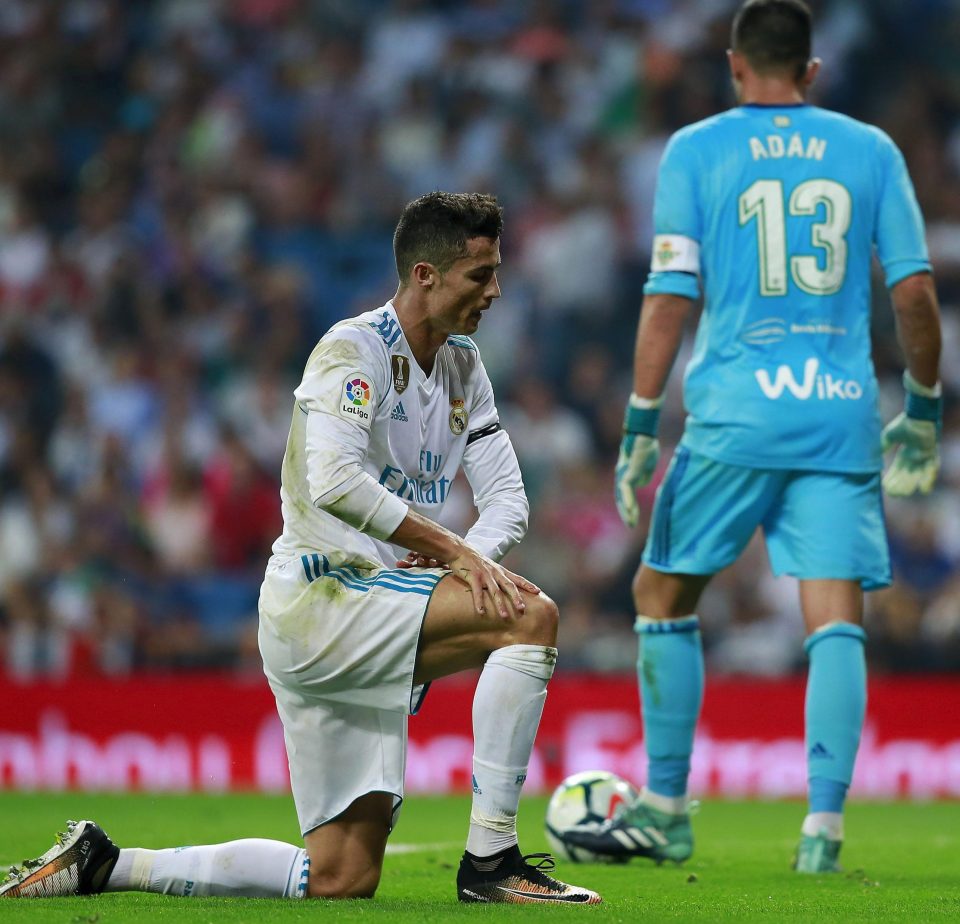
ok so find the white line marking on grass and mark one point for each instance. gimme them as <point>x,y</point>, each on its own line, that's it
<point>418,848</point>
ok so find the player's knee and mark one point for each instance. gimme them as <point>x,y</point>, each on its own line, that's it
<point>538,624</point>
<point>344,883</point>
<point>642,599</point>
<point>665,596</point>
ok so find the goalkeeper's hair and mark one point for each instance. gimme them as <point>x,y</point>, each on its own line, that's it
<point>436,227</point>
<point>774,36</point>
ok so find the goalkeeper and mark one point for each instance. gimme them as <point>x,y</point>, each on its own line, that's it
<point>776,208</point>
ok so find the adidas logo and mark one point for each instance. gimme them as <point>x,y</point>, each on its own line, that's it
<point>818,750</point>
<point>398,413</point>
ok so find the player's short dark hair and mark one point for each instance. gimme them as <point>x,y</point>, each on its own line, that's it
<point>773,35</point>
<point>436,227</point>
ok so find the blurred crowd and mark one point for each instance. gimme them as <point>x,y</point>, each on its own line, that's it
<point>193,191</point>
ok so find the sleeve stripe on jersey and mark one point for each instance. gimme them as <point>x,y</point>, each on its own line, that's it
<point>488,430</point>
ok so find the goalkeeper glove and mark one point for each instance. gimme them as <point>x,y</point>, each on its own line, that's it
<point>917,432</point>
<point>639,452</point>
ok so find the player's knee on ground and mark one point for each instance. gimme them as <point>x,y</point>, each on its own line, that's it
<point>537,625</point>
<point>352,882</point>
<point>346,854</point>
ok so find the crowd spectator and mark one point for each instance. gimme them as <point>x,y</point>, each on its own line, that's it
<point>191,193</point>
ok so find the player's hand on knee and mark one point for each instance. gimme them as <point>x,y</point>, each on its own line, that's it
<point>916,435</point>
<point>510,586</point>
<point>492,584</point>
<point>639,453</point>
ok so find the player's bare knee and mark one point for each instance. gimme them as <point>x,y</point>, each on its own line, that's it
<point>644,600</point>
<point>538,624</point>
<point>657,595</point>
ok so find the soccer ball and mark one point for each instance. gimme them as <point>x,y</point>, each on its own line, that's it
<point>590,796</point>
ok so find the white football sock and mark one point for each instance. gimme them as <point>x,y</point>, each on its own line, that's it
<point>506,713</point>
<point>829,822</point>
<point>253,868</point>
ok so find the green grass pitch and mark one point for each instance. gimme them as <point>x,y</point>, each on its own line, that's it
<point>904,863</point>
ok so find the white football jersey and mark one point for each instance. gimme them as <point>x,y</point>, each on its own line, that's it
<point>373,435</point>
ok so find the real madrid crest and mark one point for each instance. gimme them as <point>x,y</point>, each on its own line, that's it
<point>458,416</point>
<point>400,370</point>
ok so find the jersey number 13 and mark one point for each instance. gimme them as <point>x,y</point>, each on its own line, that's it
<point>764,200</point>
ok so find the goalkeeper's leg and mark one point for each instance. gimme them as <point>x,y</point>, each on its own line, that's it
<point>670,677</point>
<point>834,713</point>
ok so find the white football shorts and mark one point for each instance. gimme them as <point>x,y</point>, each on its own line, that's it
<point>339,645</point>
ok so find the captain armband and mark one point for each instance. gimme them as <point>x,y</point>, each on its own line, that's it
<point>675,253</point>
<point>488,430</point>
<point>674,267</point>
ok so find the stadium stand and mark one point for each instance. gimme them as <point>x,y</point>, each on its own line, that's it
<point>192,192</point>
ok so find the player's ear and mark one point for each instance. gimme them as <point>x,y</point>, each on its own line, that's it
<point>424,275</point>
<point>738,66</point>
<point>813,68</point>
<point>736,62</point>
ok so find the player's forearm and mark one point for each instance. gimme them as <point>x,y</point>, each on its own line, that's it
<point>351,495</point>
<point>500,526</point>
<point>659,335</point>
<point>493,471</point>
<point>419,534</point>
<point>918,326</point>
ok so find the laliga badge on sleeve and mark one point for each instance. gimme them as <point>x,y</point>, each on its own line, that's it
<point>458,416</point>
<point>399,371</point>
<point>357,399</point>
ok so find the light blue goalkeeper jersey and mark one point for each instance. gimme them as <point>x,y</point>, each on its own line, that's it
<point>778,211</point>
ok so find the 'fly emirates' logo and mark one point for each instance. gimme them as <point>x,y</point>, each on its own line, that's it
<point>422,489</point>
<point>823,387</point>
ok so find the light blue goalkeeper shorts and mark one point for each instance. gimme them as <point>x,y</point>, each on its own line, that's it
<point>816,524</point>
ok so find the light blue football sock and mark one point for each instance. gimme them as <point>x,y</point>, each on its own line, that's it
<point>670,674</point>
<point>835,706</point>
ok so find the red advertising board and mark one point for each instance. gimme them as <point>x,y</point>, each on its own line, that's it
<point>214,733</point>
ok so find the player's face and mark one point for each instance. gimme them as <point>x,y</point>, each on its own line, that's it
<point>468,288</point>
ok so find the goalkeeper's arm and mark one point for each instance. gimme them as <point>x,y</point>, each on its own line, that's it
<point>918,327</point>
<point>659,334</point>
<point>916,432</point>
